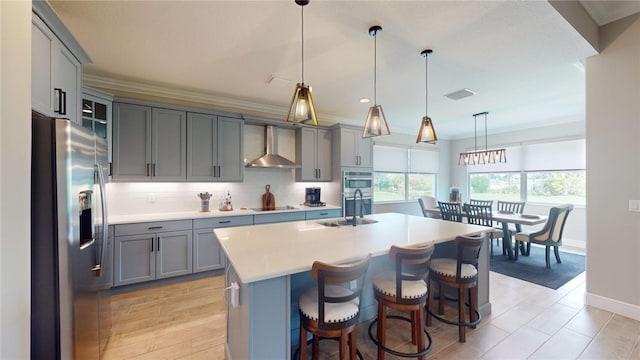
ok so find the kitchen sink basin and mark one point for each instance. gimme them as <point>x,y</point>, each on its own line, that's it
<point>359,221</point>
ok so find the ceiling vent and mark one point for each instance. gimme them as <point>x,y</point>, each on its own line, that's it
<point>460,94</point>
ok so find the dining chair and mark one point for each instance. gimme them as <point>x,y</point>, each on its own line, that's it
<point>428,202</point>
<point>509,207</point>
<point>460,273</point>
<point>481,202</point>
<point>404,289</point>
<point>483,215</point>
<point>550,235</point>
<point>450,211</point>
<point>331,308</point>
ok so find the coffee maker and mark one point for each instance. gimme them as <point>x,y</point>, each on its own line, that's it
<point>312,197</point>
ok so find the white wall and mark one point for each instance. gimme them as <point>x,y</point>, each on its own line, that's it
<point>15,160</point>
<point>613,149</point>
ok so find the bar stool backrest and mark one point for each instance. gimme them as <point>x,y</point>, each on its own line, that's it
<point>468,252</point>
<point>341,275</point>
<point>411,264</point>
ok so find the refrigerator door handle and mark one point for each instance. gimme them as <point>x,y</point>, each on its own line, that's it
<point>105,227</point>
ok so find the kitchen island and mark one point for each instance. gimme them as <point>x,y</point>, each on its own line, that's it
<point>270,264</point>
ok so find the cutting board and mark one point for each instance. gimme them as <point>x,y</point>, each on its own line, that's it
<point>268,200</point>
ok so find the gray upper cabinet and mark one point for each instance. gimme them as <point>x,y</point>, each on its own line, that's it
<point>215,150</point>
<point>56,73</point>
<point>313,151</point>
<point>149,144</point>
<point>354,150</point>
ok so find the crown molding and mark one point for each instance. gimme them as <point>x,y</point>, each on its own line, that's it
<point>119,87</point>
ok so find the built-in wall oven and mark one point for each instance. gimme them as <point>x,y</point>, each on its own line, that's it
<point>352,203</point>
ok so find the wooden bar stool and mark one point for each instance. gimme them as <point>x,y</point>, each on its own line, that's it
<point>460,273</point>
<point>405,289</point>
<point>331,308</point>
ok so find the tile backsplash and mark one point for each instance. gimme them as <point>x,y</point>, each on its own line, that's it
<point>148,198</point>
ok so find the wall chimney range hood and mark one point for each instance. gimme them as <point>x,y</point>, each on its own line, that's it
<point>271,159</point>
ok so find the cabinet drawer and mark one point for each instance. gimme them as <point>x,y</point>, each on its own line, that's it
<point>323,214</point>
<point>152,227</point>
<point>279,217</point>
<point>221,222</point>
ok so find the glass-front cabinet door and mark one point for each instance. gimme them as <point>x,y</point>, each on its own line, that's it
<point>96,113</point>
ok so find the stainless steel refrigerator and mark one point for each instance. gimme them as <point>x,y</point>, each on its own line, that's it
<point>70,250</point>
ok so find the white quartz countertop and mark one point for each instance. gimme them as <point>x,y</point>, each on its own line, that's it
<point>267,251</point>
<point>184,215</point>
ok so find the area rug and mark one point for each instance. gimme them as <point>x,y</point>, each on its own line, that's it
<point>533,268</point>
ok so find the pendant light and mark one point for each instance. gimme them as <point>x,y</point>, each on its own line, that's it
<point>376,124</point>
<point>426,134</point>
<point>486,156</point>
<point>301,109</point>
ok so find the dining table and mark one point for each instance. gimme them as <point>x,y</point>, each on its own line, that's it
<point>505,218</point>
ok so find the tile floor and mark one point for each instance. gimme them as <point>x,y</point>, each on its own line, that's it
<point>186,321</point>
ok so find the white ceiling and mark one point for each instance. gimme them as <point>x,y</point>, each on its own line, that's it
<point>520,56</point>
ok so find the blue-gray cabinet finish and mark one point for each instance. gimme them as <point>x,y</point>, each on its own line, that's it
<point>215,150</point>
<point>323,214</point>
<point>278,217</point>
<point>207,254</point>
<point>149,144</point>
<point>152,250</point>
<point>313,152</point>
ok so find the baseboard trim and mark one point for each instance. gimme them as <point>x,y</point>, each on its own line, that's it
<point>618,307</point>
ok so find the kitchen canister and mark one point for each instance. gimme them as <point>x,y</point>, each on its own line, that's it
<point>204,201</point>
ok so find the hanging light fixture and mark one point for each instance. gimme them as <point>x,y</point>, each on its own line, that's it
<point>376,124</point>
<point>426,134</point>
<point>301,109</point>
<point>486,156</point>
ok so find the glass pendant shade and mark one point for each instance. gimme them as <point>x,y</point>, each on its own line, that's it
<point>376,124</point>
<point>427,133</point>
<point>301,109</point>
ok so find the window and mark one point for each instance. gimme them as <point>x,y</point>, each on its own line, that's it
<point>557,187</point>
<point>495,186</point>
<point>388,186</point>
<point>403,174</point>
<point>551,173</point>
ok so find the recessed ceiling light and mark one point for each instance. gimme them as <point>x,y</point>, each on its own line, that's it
<point>364,100</point>
<point>460,94</point>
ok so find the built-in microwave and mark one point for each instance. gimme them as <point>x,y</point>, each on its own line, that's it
<point>352,202</point>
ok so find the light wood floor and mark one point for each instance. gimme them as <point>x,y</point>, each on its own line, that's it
<point>187,321</point>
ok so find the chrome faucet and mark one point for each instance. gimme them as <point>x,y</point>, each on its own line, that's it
<point>354,206</point>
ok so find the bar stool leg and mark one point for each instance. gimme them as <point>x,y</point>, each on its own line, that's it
<point>382,326</point>
<point>441,299</point>
<point>302,343</point>
<point>473,305</point>
<point>461,317</point>
<point>316,347</point>
<point>419,333</point>
<point>429,302</point>
<point>343,345</point>
<point>352,345</point>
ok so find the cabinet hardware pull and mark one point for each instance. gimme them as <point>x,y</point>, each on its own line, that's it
<point>319,173</point>
<point>110,169</point>
<point>213,171</point>
<point>324,214</point>
<point>148,165</point>
<point>219,172</point>
<point>158,243</point>
<point>224,222</point>
<point>152,244</point>
<point>154,227</point>
<point>62,101</point>
<point>153,166</point>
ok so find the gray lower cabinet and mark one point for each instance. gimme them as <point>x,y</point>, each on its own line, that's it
<point>207,254</point>
<point>153,250</point>
<point>149,144</point>
<point>279,217</point>
<point>323,214</point>
<point>215,151</point>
